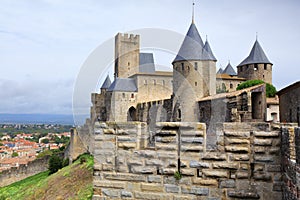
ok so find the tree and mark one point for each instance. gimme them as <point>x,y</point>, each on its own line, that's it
<point>14,154</point>
<point>55,163</point>
<point>45,141</point>
<point>270,89</point>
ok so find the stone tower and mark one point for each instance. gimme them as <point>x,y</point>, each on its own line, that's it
<point>194,75</point>
<point>127,51</point>
<point>256,65</point>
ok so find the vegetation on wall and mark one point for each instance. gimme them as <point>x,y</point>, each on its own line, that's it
<point>270,89</point>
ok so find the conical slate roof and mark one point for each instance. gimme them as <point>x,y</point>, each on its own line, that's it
<point>123,84</point>
<point>106,83</point>
<point>229,70</point>
<point>192,47</point>
<point>220,71</point>
<point>210,55</point>
<point>257,55</point>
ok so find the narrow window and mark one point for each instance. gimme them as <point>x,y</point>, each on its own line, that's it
<point>132,95</point>
<point>231,85</point>
<point>128,63</point>
<point>163,82</point>
<point>196,66</point>
<point>145,82</point>
<point>182,66</point>
<point>154,82</point>
<point>123,95</point>
<point>255,67</point>
<point>196,83</point>
<point>265,66</point>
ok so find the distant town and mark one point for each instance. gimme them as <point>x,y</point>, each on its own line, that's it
<point>22,143</point>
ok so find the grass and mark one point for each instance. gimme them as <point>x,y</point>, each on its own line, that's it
<point>71,182</point>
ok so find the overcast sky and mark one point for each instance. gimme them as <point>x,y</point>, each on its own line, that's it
<point>45,43</point>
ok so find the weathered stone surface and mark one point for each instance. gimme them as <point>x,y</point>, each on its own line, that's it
<point>126,194</point>
<point>192,133</point>
<point>145,153</point>
<point>225,165</point>
<point>192,140</point>
<point>274,150</point>
<point>189,147</point>
<point>152,187</point>
<point>239,157</point>
<point>124,177</point>
<point>227,184</point>
<point>188,172</point>
<point>154,179</point>
<point>107,167</point>
<point>167,147</point>
<point>277,186</point>
<point>135,162</point>
<point>259,167</point>
<point>215,173</point>
<point>162,155</point>
<point>236,141</point>
<point>262,142</point>
<point>205,182</point>
<point>214,156</point>
<point>262,176</point>
<point>243,194</point>
<point>166,139</point>
<point>259,149</point>
<point>126,139</point>
<point>168,171</point>
<point>274,168</point>
<point>266,134</point>
<point>242,175</point>
<point>154,162</point>
<point>126,145</point>
<point>196,164</point>
<point>199,191</point>
<point>263,158</point>
<point>244,166</point>
<point>152,196</point>
<point>108,131</point>
<point>111,192</point>
<point>142,170</point>
<point>109,184</point>
<point>237,149</point>
<point>237,134</point>
<point>172,188</point>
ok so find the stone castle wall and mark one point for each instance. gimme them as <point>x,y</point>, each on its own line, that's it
<point>23,171</point>
<point>132,162</point>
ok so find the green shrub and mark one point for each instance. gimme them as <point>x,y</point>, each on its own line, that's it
<point>270,89</point>
<point>55,163</point>
<point>177,175</point>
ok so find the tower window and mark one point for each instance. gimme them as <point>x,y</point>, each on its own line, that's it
<point>132,95</point>
<point>123,95</point>
<point>196,83</point>
<point>182,66</point>
<point>196,66</point>
<point>231,85</point>
<point>265,66</point>
<point>255,67</point>
<point>128,63</point>
<point>241,68</point>
<point>145,82</point>
<point>154,82</point>
<point>163,82</point>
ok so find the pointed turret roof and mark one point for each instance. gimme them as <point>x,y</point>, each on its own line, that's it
<point>106,83</point>
<point>257,55</point>
<point>220,71</point>
<point>192,47</point>
<point>210,55</point>
<point>229,70</point>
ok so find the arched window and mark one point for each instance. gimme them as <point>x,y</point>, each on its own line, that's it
<point>231,85</point>
<point>182,66</point>
<point>196,66</point>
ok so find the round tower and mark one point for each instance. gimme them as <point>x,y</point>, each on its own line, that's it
<point>194,75</point>
<point>256,66</point>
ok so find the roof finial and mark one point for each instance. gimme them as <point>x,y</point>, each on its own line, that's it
<point>256,35</point>
<point>193,13</point>
<point>228,61</point>
<point>206,38</point>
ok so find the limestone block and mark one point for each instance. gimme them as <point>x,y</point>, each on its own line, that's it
<point>166,139</point>
<point>227,183</point>
<point>166,132</point>
<point>126,194</point>
<point>215,173</point>
<point>192,140</point>
<point>111,192</point>
<point>263,158</point>
<point>239,157</point>
<point>223,165</point>
<point>124,177</point>
<point>109,184</point>
<point>274,150</point>
<point>236,141</point>
<point>199,191</point>
<point>164,155</point>
<point>107,167</point>
<point>126,139</point>
<point>135,161</point>
<point>109,131</point>
<point>237,134</point>
<point>152,187</point>
<point>242,194</point>
<point>263,142</point>
<point>237,149</point>
<point>172,188</point>
<point>196,164</point>
<point>152,196</point>
<point>244,166</point>
<point>204,182</point>
<point>188,172</point>
<point>242,175</point>
<point>259,167</point>
<point>214,156</point>
<point>168,171</point>
<point>183,197</point>
<point>262,176</point>
<point>266,134</point>
<point>154,162</point>
<point>145,153</point>
<point>127,145</point>
<point>154,179</point>
<point>192,133</point>
<point>259,149</point>
<point>166,147</point>
<point>142,169</point>
<point>190,147</point>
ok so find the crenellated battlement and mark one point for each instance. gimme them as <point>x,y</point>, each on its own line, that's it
<point>125,37</point>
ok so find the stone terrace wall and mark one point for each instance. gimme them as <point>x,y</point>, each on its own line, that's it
<point>131,163</point>
<point>23,171</point>
<point>291,163</point>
